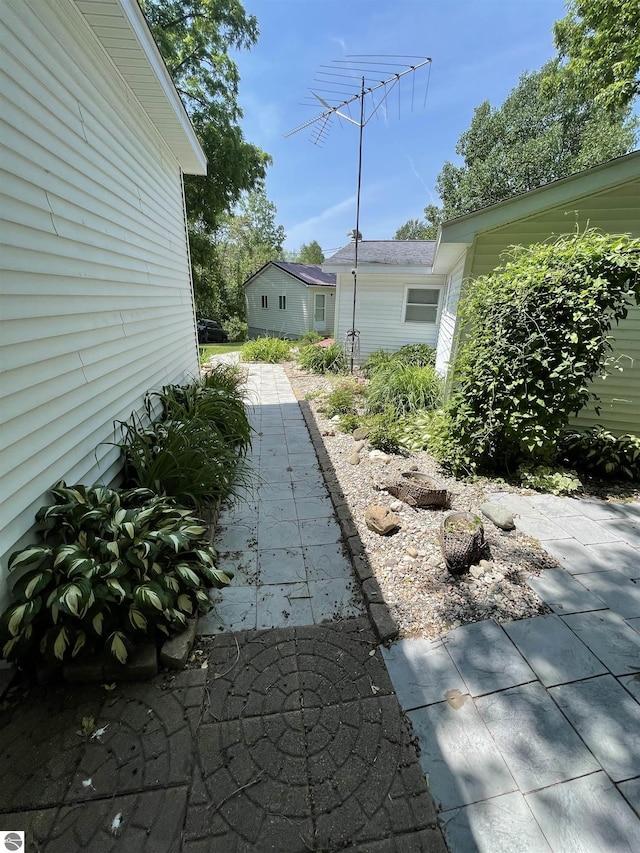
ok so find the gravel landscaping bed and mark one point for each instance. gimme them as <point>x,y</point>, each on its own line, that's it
<point>422,596</point>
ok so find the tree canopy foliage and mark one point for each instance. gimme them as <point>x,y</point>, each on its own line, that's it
<point>308,253</point>
<point>600,39</point>
<point>416,229</point>
<point>535,137</point>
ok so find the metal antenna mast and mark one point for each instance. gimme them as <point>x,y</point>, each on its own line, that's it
<point>359,82</point>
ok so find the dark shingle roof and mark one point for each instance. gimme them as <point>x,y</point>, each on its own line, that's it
<point>394,252</point>
<point>308,273</point>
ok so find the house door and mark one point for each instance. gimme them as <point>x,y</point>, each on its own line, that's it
<point>319,312</point>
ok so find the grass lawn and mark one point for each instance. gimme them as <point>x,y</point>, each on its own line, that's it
<point>207,350</point>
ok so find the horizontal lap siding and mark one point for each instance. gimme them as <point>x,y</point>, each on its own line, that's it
<point>380,311</point>
<point>448,315</point>
<point>615,212</point>
<point>96,294</point>
<point>329,306</point>
<point>291,322</point>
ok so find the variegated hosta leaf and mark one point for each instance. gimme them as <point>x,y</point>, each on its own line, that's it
<point>31,584</point>
<point>184,603</point>
<point>17,616</point>
<point>116,587</point>
<point>74,596</point>
<point>170,583</point>
<point>194,530</point>
<point>58,640</point>
<point>187,574</point>
<point>129,529</point>
<point>148,597</point>
<point>79,644</point>
<point>97,623</point>
<point>205,557</point>
<point>119,517</point>
<point>178,620</point>
<point>216,576</point>
<point>137,619</point>
<point>63,553</point>
<point>118,645</point>
<point>33,554</point>
<point>113,548</point>
<point>203,598</point>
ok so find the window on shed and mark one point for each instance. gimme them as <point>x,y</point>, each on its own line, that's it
<point>421,305</point>
<point>265,302</point>
<point>282,303</point>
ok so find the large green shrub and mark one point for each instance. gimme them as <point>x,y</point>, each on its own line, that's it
<point>535,332</point>
<point>113,567</point>
<point>598,451</point>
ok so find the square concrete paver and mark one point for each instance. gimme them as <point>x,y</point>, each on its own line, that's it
<point>552,650</point>
<point>422,672</point>
<point>283,509</point>
<point>486,658</point>
<point>632,684</point>
<point>618,556</point>
<point>459,755</point>
<point>282,605</point>
<point>607,719</point>
<point>563,593</point>
<point>609,637</point>
<point>234,609</point>
<point>535,740</point>
<point>627,530</point>
<point>586,815</point>
<point>320,531</point>
<point>278,534</point>
<point>326,561</point>
<point>554,506</point>
<point>281,565</point>
<point>620,594</point>
<point>576,557</point>
<point>631,792</point>
<point>314,508</point>
<point>503,824</point>
<point>588,531</point>
<point>334,598</point>
<point>540,527</point>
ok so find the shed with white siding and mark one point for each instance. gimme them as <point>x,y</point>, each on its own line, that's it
<point>97,301</point>
<point>287,300</point>
<point>398,298</point>
<point>606,197</point>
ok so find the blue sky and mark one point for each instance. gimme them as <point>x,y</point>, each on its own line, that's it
<point>479,49</point>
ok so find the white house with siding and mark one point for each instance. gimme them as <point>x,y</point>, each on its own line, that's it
<point>287,300</point>
<point>96,302</point>
<point>398,298</point>
<point>606,197</point>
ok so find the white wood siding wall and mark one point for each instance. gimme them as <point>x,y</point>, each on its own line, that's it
<point>614,211</point>
<point>294,320</point>
<point>448,317</point>
<point>380,311</point>
<point>97,304</point>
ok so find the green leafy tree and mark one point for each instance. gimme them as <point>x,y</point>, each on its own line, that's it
<point>536,332</point>
<point>311,253</point>
<point>600,39</point>
<point>536,136</point>
<point>416,229</point>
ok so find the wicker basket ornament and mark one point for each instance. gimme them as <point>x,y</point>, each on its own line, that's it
<point>461,540</point>
<point>420,490</point>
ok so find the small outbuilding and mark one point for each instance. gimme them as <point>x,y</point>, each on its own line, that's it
<point>288,300</point>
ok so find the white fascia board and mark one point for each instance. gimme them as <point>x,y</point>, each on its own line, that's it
<point>378,269</point>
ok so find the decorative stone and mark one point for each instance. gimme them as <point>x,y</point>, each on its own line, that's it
<point>381,520</point>
<point>435,561</point>
<point>487,565</point>
<point>359,445</point>
<point>476,571</point>
<point>354,459</point>
<point>499,514</point>
<point>412,552</point>
<point>176,650</point>
<point>359,433</point>
<point>396,506</point>
<point>379,456</point>
<point>335,419</point>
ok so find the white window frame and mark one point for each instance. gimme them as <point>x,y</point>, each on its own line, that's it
<point>264,300</point>
<point>282,302</point>
<point>438,305</point>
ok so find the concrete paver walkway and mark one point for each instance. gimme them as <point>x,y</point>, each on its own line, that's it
<point>286,739</point>
<point>530,731</point>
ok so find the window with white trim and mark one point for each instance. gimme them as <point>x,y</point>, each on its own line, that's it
<point>421,304</point>
<point>282,303</point>
<point>265,301</point>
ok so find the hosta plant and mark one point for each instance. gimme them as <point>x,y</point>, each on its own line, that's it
<point>598,451</point>
<point>113,567</point>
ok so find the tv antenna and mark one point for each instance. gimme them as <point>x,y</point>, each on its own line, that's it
<point>366,82</point>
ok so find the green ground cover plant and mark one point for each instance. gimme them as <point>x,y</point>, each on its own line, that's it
<point>266,349</point>
<point>321,360</point>
<point>535,333</point>
<point>597,451</point>
<point>113,567</point>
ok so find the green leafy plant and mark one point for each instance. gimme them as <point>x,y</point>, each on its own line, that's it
<point>403,388</point>
<point>384,432</point>
<point>236,329</point>
<point>113,567</point>
<point>185,459</point>
<point>318,359</point>
<point>269,350</point>
<point>557,481</point>
<point>343,399</point>
<point>419,355</point>
<point>600,452</point>
<point>310,337</point>
<point>535,333</point>
<point>349,422</point>
<point>421,430</point>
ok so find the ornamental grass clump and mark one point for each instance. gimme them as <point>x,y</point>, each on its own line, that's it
<point>266,349</point>
<point>114,567</point>
<point>401,389</point>
<point>317,359</point>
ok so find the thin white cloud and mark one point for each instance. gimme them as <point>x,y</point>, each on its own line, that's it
<point>299,231</point>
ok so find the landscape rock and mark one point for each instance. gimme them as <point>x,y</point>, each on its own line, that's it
<point>412,552</point>
<point>379,456</point>
<point>354,459</point>
<point>359,433</point>
<point>359,446</point>
<point>499,514</point>
<point>381,520</point>
<point>176,650</point>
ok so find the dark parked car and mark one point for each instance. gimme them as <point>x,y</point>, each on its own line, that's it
<point>211,332</point>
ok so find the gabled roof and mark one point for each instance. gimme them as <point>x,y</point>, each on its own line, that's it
<point>309,274</point>
<point>400,253</point>
<point>123,33</point>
